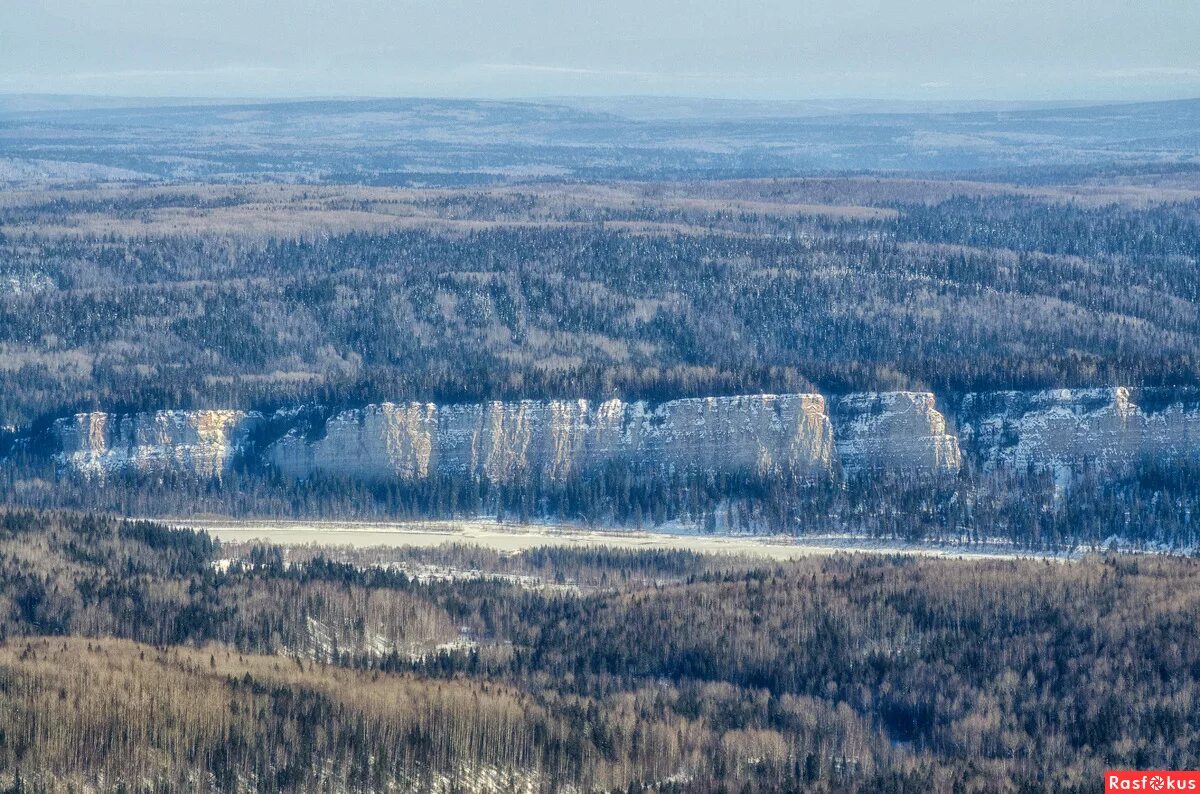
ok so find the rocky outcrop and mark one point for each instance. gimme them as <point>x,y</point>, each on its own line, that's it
<point>896,431</point>
<point>556,440</point>
<point>1063,431</point>
<point>193,443</point>
<point>1066,431</point>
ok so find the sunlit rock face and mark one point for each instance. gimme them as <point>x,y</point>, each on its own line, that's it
<point>559,439</point>
<point>1068,431</point>
<point>194,443</point>
<point>893,431</point>
<point>1061,431</point>
<point>394,438</point>
<point>765,434</point>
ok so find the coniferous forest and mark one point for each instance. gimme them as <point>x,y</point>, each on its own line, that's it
<point>599,670</point>
<point>265,297</point>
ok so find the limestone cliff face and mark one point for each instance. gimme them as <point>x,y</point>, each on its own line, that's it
<point>397,439</point>
<point>1067,430</point>
<point>555,440</point>
<point>1063,431</point>
<point>896,431</point>
<point>199,443</point>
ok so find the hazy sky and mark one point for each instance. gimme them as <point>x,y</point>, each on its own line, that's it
<point>794,49</point>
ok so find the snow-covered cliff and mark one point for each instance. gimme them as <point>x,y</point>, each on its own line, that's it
<point>194,443</point>
<point>1067,430</point>
<point>1063,431</point>
<point>558,439</point>
<point>895,431</point>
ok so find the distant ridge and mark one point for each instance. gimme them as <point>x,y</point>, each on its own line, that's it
<point>424,141</point>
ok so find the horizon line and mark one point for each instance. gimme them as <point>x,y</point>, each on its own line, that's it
<point>547,98</point>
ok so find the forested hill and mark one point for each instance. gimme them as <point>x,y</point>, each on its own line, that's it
<point>268,296</point>
<point>135,655</point>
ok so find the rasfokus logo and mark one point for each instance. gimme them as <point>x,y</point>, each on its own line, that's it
<point>1155,780</point>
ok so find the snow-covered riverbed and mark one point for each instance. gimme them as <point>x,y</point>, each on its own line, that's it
<point>509,537</point>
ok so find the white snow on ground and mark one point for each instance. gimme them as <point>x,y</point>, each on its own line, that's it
<point>324,646</point>
<point>25,283</point>
<point>515,538</point>
<point>485,780</point>
<point>26,171</point>
<point>466,779</point>
<point>426,573</point>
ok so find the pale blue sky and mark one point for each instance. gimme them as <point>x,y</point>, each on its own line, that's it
<point>788,49</point>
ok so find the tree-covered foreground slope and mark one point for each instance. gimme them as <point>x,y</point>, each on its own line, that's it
<point>137,656</point>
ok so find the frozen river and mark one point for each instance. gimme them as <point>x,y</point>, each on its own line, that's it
<point>512,537</point>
